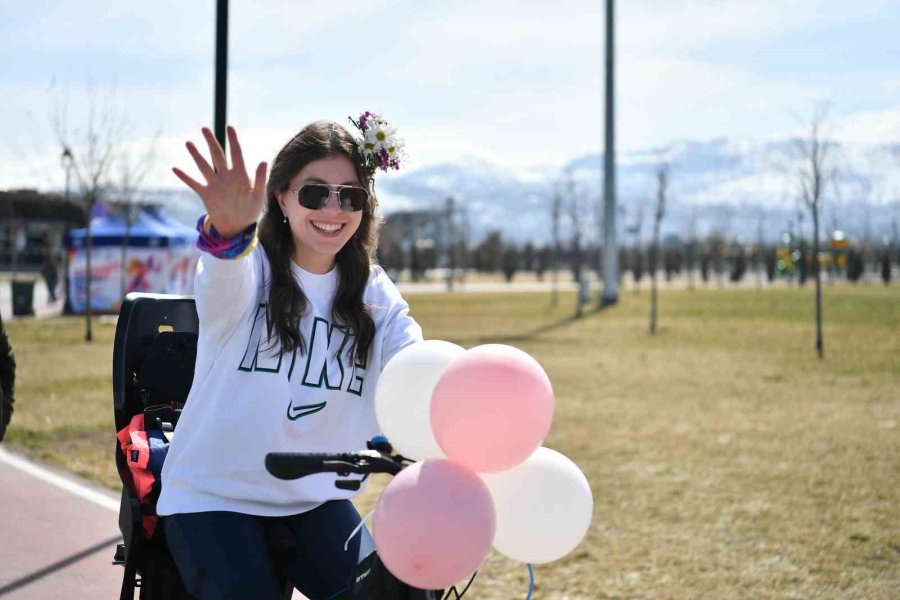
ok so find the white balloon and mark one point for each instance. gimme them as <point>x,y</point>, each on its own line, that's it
<point>544,507</point>
<point>403,397</point>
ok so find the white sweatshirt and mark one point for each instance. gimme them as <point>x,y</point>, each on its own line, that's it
<point>249,399</point>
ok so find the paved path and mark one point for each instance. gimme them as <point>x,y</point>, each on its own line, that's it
<point>43,307</point>
<point>58,534</point>
<point>55,544</point>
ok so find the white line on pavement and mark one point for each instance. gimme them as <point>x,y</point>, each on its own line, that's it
<point>68,485</point>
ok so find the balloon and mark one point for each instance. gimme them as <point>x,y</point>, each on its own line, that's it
<point>403,397</point>
<point>491,408</point>
<point>434,524</point>
<point>544,507</point>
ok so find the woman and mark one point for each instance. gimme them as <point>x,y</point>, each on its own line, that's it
<point>294,332</point>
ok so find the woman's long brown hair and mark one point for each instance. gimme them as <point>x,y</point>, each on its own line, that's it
<point>287,302</point>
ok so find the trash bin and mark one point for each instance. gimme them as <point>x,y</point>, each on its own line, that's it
<point>23,298</point>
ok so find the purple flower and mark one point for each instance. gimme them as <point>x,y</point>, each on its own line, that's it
<point>363,120</point>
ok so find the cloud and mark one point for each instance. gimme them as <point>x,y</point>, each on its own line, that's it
<point>662,26</point>
<point>876,127</point>
<point>517,80</point>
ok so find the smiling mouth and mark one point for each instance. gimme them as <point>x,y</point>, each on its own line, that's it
<point>327,227</point>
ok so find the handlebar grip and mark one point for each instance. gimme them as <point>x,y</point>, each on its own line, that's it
<point>293,465</point>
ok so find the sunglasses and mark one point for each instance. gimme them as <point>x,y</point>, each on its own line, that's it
<point>314,196</point>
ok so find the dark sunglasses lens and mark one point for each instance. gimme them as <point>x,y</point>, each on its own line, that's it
<point>353,198</point>
<point>313,196</point>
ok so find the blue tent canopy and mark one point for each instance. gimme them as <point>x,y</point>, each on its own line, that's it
<point>151,228</point>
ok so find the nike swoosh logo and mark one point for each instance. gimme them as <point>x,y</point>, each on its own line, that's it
<point>297,412</point>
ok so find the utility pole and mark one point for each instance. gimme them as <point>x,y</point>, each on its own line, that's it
<point>610,256</point>
<point>221,69</point>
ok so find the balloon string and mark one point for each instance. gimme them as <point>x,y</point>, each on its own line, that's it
<point>456,593</point>
<point>357,528</point>
<point>531,582</point>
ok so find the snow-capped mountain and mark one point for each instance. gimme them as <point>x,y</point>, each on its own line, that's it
<point>734,187</point>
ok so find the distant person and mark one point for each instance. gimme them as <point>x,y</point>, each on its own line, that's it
<point>51,275</point>
<point>7,379</point>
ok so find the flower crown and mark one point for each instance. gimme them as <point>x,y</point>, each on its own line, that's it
<point>379,146</point>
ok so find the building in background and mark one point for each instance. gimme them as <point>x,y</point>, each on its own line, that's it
<point>33,225</point>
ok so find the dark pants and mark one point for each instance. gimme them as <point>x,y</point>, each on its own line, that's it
<point>233,556</point>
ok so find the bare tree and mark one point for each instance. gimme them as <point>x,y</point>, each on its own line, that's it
<point>662,181</point>
<point>92,148</point>
<point>450,242</point>
<point>719,237</point>
<point>692,249</point>
<point>870,190</point>
<point>636,264</point>
<point>895,240</point>
<point>555,210</point>
<point>129,189</point>
<point>95,155</point>
<point>815,173</point>
<point>758,252</point>
<point>576,211</point>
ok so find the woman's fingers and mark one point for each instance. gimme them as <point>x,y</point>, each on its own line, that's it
<point>259,185</point>
<point>227,194</point>
<point>187,180</point>
<point>215,150</point>
<point>204,167</point>
<point>237,156</point>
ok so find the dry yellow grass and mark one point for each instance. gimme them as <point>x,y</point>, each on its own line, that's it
<point>726,461</point>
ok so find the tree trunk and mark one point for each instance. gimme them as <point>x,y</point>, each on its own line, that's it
<point>123,260</point>
<point>88,245</point>
<point>653,265</point>
<point>691,259</point>
<point>451,246</point>
<point>554,297</point>
<point>576,273</point>
<point>819,344</point>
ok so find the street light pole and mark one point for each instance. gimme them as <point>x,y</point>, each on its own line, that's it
<point>610,256</point>
<point>67,159</point>
<point>221,68</point>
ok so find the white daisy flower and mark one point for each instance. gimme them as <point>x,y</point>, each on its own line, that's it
<point>380,146</point>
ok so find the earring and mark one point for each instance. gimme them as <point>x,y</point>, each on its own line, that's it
<point>285,219</point>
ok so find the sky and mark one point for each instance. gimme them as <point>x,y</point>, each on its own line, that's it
<point>515,82</point>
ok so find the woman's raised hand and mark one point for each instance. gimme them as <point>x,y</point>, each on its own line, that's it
<point>231,201</point>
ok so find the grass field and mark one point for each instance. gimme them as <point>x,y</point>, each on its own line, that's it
<point>726,461</point>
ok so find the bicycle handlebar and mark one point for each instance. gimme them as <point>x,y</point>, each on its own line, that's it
<point>293,465</point>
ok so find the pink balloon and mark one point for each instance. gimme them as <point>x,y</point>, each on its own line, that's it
<point>434,524</point>
<point>492,408</point>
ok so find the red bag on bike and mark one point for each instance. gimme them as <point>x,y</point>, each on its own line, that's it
<point>145,450</point>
